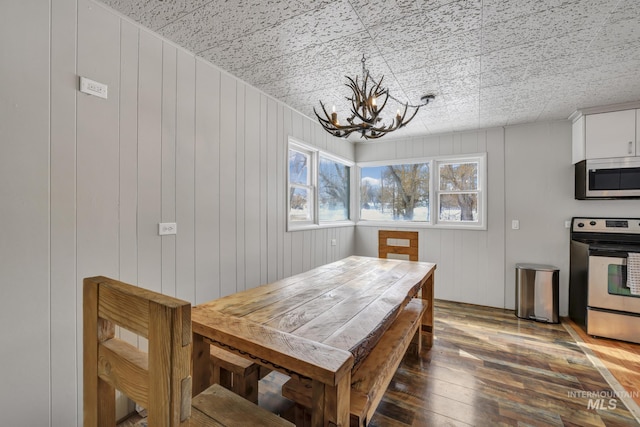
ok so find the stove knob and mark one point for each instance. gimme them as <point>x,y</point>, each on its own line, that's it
<point>581,224</point>
<point>592,223</point>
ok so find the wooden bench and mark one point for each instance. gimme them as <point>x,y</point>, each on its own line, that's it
<point>158,380</point>
<point>235,373</point>
<point>372,377</point>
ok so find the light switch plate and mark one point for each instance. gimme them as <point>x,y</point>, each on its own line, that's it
<point>165,228</point>
<point>91,87</point>
<point>515,224</point>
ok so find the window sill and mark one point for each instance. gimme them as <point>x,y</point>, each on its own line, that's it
<point>421,224</point>
<point>306,227</point>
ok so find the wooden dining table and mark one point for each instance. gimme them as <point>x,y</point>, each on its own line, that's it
<point>316,327</point>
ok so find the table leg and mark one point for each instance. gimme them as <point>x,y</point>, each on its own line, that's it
<point>201,370</point>
<point>331,403</point>
<point>427,317</point>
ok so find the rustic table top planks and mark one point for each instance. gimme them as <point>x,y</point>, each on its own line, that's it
<point>317,326</point>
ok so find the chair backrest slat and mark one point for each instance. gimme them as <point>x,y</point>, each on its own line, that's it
<point>159,379</point>
<point>384,248</point>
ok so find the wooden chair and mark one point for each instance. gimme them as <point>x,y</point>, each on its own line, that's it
<point>158,380</point>
<point>384,248</point>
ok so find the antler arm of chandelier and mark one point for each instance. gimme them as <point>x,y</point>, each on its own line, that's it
<point>365,110</point>
<point>331,125</point>
<point>363,104</point>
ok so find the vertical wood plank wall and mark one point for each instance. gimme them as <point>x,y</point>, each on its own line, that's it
<point>177,140</point>
<point>181,141</point>
<point>470,262</point>
<point>25,203</point>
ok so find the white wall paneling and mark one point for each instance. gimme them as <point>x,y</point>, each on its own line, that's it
<point>538,164</point>
<point>62,227</point>
<point>207,182</point>
<point>25,211</point>
<point>168,166</point>
<point>86,180</point>
<point>150,97</point>
<point>128,167</point>
<point>467,259</point>
<point>185,176</point>
<point>273,164</point>
<point>252,187</point>
<point>98,156</point>
<point>228,185</point>
<point>262,184</point>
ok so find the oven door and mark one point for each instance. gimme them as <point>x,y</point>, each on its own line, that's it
<point>608,284</point>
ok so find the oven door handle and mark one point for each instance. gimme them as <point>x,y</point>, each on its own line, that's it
<point>609,254</point>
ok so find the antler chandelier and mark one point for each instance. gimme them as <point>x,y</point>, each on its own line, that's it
<point>365,115</point>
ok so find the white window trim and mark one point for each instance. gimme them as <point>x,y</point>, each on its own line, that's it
<point>315,154</point>
<point>433,162</point>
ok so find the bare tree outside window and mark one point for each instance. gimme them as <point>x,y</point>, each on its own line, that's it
<point>299,186</point>
<point>458,191</point>
<point>401,192</point>
<point>318,187</point>
<point>333,188</point>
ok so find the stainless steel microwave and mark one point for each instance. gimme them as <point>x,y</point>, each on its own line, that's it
<point>608,178</point>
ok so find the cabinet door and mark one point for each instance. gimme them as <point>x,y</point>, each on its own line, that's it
<point>577,140</point>
<point>610,134</point>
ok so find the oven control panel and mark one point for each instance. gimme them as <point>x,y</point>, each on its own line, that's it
<point>606,225</point>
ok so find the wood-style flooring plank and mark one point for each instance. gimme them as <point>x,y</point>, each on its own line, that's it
<point>621,358</point>
<point>489,368</point>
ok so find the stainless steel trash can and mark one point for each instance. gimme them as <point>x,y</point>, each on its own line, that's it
<point>537,290</point>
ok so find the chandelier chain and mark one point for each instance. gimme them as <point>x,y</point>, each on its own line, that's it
<point>365,72</point>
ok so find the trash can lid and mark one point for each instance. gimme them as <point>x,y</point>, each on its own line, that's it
<point>538,267</point>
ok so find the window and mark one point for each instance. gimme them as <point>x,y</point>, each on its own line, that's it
<point>319,188</point>
<point>458,192</point>
<point>395,192</point>
<point>333,188</point>
<point>300,185</point>
<point>440,192</point>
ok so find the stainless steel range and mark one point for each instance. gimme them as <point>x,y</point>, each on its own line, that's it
<point>600,297</point>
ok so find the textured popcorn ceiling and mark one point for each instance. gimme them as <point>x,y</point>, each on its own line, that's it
<point>489,63</point>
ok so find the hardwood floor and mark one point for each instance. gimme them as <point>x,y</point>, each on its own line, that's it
<point>622,359</point>
<point>489,368</point>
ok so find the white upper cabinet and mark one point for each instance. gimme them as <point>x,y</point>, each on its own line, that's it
<point>577,140</point>
<point>612,134</point>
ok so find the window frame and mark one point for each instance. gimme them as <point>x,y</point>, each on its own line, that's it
<point>314,168</point>
<point>434,192</point>
<point>310,186</point>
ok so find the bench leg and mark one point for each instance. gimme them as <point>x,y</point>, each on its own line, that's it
<point>246,386</point>
<point>416,343</point>
<point>220,376</point>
